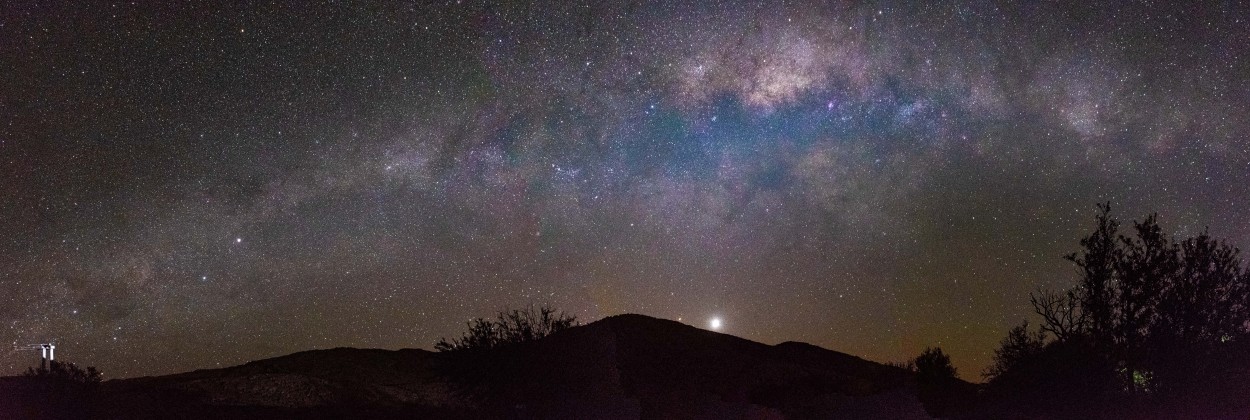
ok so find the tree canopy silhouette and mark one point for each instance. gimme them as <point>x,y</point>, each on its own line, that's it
<point>509,327</point>
<point>1159,317</point>
<point>932,365</point>
<point>940,390</point>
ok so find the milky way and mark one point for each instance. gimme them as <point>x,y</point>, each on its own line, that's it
<point>196,186</point>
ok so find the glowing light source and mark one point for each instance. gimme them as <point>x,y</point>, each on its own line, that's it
<point>714,324</point>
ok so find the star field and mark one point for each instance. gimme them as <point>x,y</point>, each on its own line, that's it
<point>193,186</point>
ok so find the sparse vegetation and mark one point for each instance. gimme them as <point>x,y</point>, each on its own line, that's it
<point>66,372</point>
<point>509,327</point>
<point>909,365</point>
<point>56,390</point>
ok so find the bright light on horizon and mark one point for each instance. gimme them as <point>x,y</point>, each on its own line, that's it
<point>714,324</point>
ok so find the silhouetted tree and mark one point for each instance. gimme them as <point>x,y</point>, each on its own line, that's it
<point>1146,264</point>
<point>1159,318</point>
<point>1019,348</point>
<point>932,365</point>
<point>1207,302</point>
<point>509,327</point>
<point>1095,293</point>
<point>1061,313</point>
<point>1201,313</point>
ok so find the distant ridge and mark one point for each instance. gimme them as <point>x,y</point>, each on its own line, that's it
<point>624,366</point>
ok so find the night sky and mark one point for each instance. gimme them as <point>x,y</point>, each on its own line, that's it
<point>200,185</point>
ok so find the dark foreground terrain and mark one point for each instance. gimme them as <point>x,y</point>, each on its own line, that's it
<point>627,366</point>
<point>622,367</point>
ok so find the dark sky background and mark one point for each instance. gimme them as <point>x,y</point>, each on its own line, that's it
<point>200,185</point>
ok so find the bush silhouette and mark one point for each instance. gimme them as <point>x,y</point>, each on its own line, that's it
<point>1019,348</point>
<point>59,390</point>
<point>934,366</point>
<point>509,327</point>
<point>940,390</point>
<point>56,371</point>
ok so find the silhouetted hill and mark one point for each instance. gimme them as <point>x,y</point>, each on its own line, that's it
<point>626,366</point>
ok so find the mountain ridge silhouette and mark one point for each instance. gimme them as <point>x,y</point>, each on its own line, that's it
<point>622,366</point>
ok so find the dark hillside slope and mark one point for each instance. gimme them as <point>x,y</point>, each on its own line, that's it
<point>632,366</point>
<point>627,366</point>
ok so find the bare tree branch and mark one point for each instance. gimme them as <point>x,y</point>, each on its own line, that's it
<point>1060,313</point>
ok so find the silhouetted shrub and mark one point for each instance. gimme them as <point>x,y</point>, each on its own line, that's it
<point>940,390</point>
<point>59,390</point>
<point>66,372</point>
<point>933,366</point>
<point>509,327</point>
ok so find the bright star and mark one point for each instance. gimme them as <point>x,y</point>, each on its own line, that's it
<point>714,324</point>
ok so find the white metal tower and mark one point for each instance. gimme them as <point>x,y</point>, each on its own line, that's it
<point>47,351</point>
